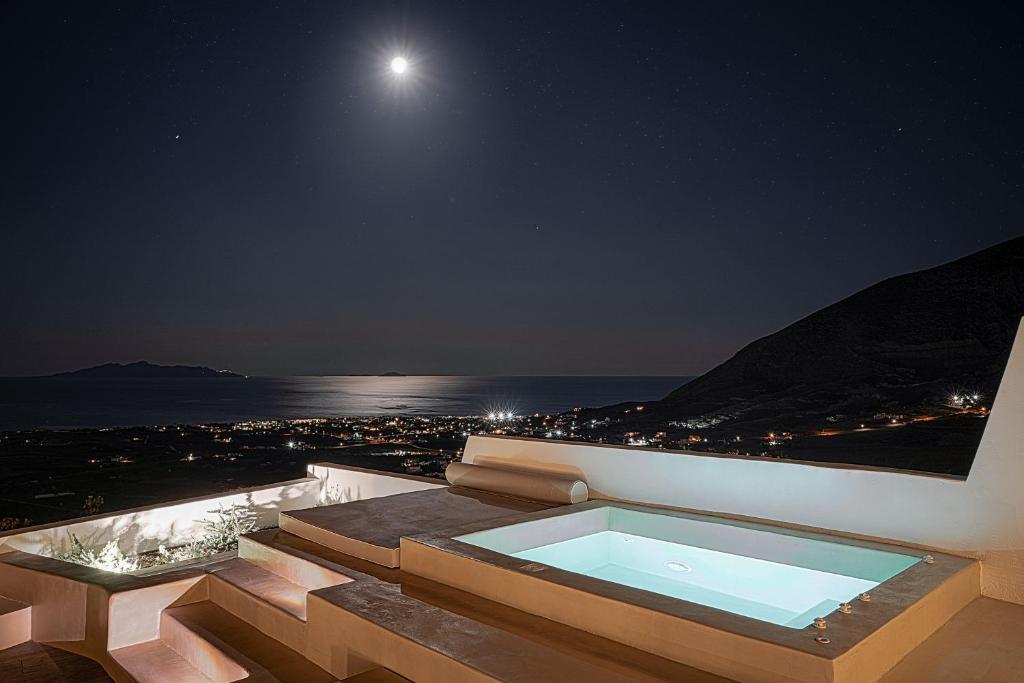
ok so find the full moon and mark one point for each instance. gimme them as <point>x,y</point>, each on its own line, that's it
<point>399,65</point>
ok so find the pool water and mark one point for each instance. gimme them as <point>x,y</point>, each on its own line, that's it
<point>779,593</point>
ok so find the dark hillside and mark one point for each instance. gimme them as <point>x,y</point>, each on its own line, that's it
<point>904,352</point>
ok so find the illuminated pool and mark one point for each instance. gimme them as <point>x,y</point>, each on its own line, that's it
<point>737,598</point>
<point>782,579</point>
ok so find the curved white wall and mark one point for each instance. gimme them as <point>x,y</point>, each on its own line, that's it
<point>982,516</point>
<point>143,529</point>
<point>175,522</point>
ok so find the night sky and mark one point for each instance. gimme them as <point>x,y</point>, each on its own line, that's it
<point>551,188</point>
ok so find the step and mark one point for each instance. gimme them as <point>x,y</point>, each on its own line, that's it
<point>209,633</point>
<point>265,585</point>
<point>276,579</point>
<point>15,623</point>
<point>155,662</point>
<point>306,525</point>
<point>262,599</point>
<point>307,571</point>
<point>421,641</point>
<point>199,647</point>
<point>348,566</point>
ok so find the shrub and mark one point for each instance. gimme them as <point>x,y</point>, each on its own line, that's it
<point>221,535</point>
<point>108,558</point>
<point>190,551</point>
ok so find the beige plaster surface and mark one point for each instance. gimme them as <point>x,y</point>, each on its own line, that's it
<point>983,642</point>
<point>704,637</point>
<point>154,661</point>
<point>892,596</point>
<point>433,632</point>
<point>264,585</point>
<point>893,639</point>
<point>429,631</point>
<point>15,622</point>
<point>373,528</point>
<point>133,616</point>
<point>503,622</point>
<point>426,643</point>
<point>303,572</point>
<point>261,614</point>
<point>264,658</point>
<point>547,488</point>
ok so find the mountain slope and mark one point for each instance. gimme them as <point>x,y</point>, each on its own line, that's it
<point>909,347</point>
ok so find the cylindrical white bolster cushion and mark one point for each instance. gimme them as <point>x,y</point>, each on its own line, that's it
<point>547,488</point>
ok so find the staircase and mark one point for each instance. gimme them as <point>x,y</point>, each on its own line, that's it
<point>251,626</point>
<point>154,661</point>
<point>203,643</point>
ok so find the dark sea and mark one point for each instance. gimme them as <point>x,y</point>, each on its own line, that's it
<point>62,403</point>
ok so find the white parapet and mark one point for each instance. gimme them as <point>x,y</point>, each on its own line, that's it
<point>143,529</point>
<point>343,483</point>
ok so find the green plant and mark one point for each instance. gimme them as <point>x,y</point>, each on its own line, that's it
<point>108,558</point>
<point>189,551</point>
<point>221,534</point>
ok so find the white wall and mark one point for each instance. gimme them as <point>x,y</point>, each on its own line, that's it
<point>143,529</point>
<point>982,516</point>
<point>177,522</point>
<point>342,484</point>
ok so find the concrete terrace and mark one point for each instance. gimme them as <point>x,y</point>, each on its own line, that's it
<point>366,576</point>
<point>248,610</point>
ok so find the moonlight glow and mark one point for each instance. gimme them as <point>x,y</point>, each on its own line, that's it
<point>399,65</point>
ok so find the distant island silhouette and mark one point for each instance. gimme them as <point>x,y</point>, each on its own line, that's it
<point>145,369</point>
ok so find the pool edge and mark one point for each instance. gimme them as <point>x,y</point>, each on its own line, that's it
<point>905,609</point>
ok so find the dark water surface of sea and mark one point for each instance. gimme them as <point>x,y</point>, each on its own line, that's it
<point>55,403</point>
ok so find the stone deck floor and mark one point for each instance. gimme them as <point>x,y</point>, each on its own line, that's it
<point>383,521</point>
<point>34,663</point>
<point>984,642</point>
